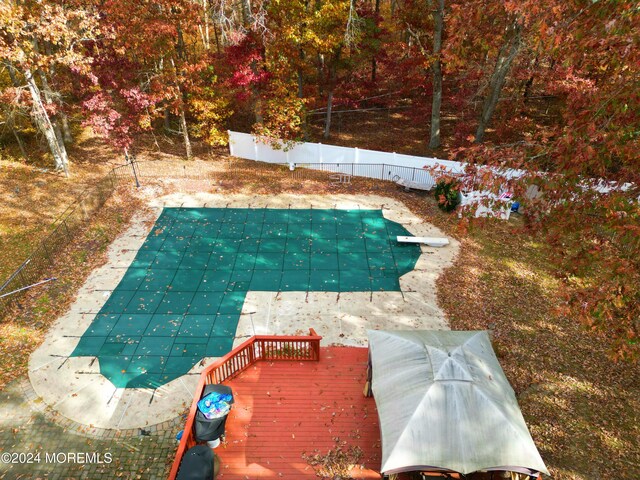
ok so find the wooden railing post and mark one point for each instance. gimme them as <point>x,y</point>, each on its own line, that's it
<point>315,344</point>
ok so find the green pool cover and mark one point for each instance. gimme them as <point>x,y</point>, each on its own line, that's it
<point>180,299</point>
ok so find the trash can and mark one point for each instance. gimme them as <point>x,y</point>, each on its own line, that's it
<point>199,463</point>
<point>207,430</point>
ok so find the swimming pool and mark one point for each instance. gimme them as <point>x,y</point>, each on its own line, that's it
<point>181,298</point>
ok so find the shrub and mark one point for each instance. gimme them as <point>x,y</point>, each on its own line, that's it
<point>447,193</point>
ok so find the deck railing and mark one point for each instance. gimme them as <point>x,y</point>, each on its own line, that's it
<point>258,347</point>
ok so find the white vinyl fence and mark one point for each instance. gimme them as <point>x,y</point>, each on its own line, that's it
<point>363,163</point>
<point>354,161</point>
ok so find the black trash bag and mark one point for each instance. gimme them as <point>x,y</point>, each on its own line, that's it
<point>197,464</point>
<point>207,430</point>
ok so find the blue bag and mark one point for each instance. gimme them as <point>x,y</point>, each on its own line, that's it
<point>215,405</point>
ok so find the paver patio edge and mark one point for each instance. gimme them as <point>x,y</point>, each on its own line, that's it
<point>36,404</point>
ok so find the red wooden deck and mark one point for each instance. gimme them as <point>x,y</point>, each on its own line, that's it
<point>286,408</point>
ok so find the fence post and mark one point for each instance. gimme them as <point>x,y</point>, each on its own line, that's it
<point>356,155</point>
<point>46,252</point>
<point>320,152</point>
<point>64,222</point>
<point>133,167</point>
<point>255,148</point>
<point>24,281</point>
<point>230,144</point>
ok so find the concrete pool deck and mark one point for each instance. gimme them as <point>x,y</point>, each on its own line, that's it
<point>74,387</point>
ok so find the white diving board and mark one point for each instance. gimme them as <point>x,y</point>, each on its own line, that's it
<point>430,241</point>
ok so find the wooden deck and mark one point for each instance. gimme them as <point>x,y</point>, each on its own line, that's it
<point>285,409</point>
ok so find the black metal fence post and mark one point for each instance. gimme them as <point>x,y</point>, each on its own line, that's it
<point>44,247</point>
<point>64,222</point>
<point>133,167</point>
<point>22,277</point>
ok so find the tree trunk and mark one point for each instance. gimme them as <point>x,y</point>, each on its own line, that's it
<point>506,56</point>
<point>12,75</point>
<point>64,120</point>
<point>256,67</point>
<point>436,67</point>
<point>319,67</point>
<point>529,83</point>
<point>327,122</point>
<point>185,132</point>
<point>48,96</point>
<point>181,49</point>
<point>183,117</point>
<point>299,72</point>
<point>205,7</point>
<point>257,107</point>
<point>332,85</point>
<point>64,134</point>
<point>44,124</point>
<point>12,126</point>
<point>300,84</point>
<point>66,131</point>
<point>215,35</point>
<point>202,37</point>
<point>167,120</point>
<point>247,16</point>
<point>374,65</point>
<point>9,115</point>
<point>302,56</point>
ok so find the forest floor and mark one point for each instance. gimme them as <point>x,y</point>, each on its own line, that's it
<point>582,409</point>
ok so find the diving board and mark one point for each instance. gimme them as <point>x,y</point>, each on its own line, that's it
<point>430,241</point>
